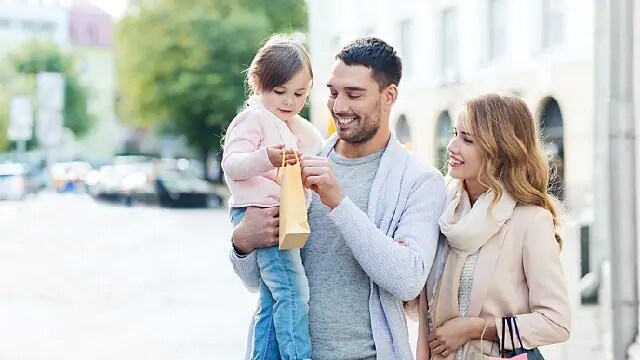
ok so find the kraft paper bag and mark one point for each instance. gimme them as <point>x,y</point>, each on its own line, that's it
<point>294,227</point>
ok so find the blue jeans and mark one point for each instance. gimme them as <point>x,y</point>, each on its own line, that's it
<point>282,321</point>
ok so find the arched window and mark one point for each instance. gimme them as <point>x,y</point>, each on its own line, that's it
<point>552,130</point>
<point>403,131</point>
<point>444,129</point>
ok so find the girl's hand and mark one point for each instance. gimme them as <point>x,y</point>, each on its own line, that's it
<point>275,155</point>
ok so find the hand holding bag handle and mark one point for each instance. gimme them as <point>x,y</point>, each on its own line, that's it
<point>284,155</point>
<point>520,352</point>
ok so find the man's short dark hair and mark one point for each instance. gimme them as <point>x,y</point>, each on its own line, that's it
<point>375,54</point>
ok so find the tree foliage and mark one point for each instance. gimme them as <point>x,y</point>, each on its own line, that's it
<point>181,63</point>
<point>37,57</point>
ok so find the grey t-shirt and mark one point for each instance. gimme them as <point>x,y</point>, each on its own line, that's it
<point>339,318</point>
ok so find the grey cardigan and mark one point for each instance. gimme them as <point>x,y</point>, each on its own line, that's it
<point>406,201</point>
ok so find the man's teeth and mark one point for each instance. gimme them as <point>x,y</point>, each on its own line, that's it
<point>344,121</point>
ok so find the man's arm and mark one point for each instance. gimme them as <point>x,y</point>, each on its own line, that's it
<point>400,270</point>
<point>258,229</point>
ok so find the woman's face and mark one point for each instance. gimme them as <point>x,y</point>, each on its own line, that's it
<point>465,159</point>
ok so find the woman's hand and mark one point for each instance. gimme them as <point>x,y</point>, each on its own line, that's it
<point>453,334</point>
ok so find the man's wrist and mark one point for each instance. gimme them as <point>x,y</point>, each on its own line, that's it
<point>335,203</point>
<point>239,253</point>
<point>238,248</point>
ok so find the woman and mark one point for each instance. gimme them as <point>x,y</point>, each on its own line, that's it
<point>501,256</point>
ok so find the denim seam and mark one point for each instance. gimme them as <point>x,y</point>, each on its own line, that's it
<point>292,343</point>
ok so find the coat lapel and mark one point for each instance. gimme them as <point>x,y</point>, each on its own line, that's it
<point>485,267</point>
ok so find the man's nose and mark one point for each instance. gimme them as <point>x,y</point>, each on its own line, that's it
<point>340,105</point>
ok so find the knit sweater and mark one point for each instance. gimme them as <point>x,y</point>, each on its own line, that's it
<point>406,201</point>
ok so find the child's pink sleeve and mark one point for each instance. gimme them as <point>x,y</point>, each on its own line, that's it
<point>243,157</point>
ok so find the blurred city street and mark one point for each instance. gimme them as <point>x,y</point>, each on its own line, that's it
<point>114,116</point>
<point>84,280</point>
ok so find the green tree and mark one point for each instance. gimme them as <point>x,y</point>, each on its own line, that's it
<point>35,57</point>
<point>181,63</point>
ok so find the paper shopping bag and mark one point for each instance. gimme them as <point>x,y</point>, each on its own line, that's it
<point>518,353</point>
<point>294,227</point>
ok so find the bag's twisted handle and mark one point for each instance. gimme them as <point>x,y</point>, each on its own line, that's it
<point>284,163</point>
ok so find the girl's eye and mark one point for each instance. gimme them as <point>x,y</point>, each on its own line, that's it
<point>279,92</point>
<point>298,95</point>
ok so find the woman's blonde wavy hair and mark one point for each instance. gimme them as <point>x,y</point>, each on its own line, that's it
<point>512,151</point>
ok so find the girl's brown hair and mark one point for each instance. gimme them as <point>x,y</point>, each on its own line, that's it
<point>277,61</point>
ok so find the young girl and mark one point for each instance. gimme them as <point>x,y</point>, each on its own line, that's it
<point>279,78</point>
<point>501,257</point>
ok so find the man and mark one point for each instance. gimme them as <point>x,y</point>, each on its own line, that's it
<point>373,217</point>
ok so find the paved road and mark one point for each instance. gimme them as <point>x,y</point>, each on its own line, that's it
<point>84,280</point>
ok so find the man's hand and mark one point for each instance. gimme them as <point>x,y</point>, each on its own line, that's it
<point>318,176</point>
<point>258,229</point>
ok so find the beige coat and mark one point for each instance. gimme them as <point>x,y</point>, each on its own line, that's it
<point>518,273</point>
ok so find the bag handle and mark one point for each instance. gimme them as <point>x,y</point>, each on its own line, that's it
<point>284,163</point>
<point>509,324</point>
<point>504,326</point>
<point>515,326</point>
<point>482,335</point>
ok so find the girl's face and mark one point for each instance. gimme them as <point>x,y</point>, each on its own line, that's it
<point>287,100</point>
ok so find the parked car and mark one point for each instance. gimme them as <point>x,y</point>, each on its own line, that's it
<point>176,188</point>
<point>20,179</point>
<point>70,176</point>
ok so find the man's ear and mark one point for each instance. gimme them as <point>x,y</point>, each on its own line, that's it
<point>390,94</point>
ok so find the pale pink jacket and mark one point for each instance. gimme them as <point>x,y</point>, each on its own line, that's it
<point>247,169</point>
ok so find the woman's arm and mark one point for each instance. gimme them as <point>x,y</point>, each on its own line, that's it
<point>549,321</point>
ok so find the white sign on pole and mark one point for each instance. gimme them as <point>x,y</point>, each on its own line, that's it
<point>49,128</point>
<point>20,119</point>
<point>50,91</point>
<point>50,94</point>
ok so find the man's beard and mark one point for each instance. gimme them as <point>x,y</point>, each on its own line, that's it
<point>367,127</point>
<point>362,134</point>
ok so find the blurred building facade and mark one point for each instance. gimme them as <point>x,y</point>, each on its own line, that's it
<point>452,50</point>
<point>455,49</point>
<point>84,31</point>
